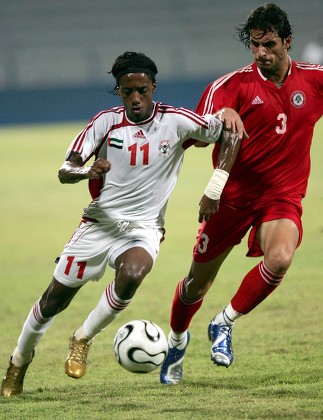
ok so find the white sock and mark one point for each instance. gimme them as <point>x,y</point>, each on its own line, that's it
<point>34,328</point>
<point>178,340</point>
<point>20,360</point>
<point>106,311</point>
<point>227,316</point>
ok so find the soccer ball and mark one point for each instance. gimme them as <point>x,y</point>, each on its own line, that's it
<point>140,346</point>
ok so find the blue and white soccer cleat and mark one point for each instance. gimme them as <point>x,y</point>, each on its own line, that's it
<point>171,372</point>
<point>221,348</point>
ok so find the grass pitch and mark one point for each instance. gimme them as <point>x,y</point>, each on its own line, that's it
<point>277,371</point>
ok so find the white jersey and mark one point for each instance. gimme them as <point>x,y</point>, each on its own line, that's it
<point>145,159</point>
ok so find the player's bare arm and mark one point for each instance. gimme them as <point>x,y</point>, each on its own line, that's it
<point>230,145</point>
<point>73,171</point>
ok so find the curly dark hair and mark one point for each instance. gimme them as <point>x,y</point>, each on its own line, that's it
<point>131,60</point>
<point>267,18</point>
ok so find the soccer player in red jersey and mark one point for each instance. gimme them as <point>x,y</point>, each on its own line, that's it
<point>279,101</point>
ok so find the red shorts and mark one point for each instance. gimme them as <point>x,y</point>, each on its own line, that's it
<point>227,228</point>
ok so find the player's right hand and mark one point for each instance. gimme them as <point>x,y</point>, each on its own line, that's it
<point>208,207</point>
<point>99,167</point>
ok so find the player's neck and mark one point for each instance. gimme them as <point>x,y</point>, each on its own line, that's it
<point>279,76</point>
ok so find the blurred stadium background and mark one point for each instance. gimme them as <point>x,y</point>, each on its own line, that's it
<point>55,55</point>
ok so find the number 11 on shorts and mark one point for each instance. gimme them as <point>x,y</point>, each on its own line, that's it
<point>81,265</point>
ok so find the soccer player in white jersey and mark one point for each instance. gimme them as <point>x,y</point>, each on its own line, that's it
<point>279,101</point>
<point>138,151</point>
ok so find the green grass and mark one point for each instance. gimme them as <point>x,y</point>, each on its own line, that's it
<point>278,376</point>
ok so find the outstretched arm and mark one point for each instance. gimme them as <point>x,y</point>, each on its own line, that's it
<point>72,170</point>
<point>230,144</point>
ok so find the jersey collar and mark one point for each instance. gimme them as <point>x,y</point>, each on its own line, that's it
<point>265,78</point>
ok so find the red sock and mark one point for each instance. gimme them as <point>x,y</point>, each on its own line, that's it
<point>255,287</point>
<point>182,309</point>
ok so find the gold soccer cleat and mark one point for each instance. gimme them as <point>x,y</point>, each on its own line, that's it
<point>13,381</point>
<point>75,364</point>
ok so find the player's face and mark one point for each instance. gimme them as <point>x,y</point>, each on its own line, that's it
<point>269,51</point>
<point>136,91</point>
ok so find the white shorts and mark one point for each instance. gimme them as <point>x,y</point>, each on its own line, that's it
<point>94,245</point>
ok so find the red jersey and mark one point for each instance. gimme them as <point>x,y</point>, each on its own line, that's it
<point>274,163</point>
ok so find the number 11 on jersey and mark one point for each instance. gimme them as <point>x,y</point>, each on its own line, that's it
<point>144,149</point>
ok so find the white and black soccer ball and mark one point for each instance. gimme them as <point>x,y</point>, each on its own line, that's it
<point>140,346</point>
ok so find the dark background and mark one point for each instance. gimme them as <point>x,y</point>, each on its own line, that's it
<point>55,55</point>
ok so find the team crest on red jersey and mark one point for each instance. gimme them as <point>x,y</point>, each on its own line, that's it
<point>298,99</point>
<point>164,148</point>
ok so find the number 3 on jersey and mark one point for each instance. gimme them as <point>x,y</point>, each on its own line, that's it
<point>144,155</point>
<point>281,129</point>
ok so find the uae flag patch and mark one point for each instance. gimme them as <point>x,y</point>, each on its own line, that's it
<point>116,143</point>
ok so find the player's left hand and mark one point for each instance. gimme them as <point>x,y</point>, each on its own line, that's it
<point>208,207</point>
<point>232,122</point>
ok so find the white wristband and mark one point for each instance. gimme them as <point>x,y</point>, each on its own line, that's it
<point>216,184</point>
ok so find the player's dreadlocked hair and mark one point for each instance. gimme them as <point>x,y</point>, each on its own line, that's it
<point>133,62</point>
<point>267,18</point>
